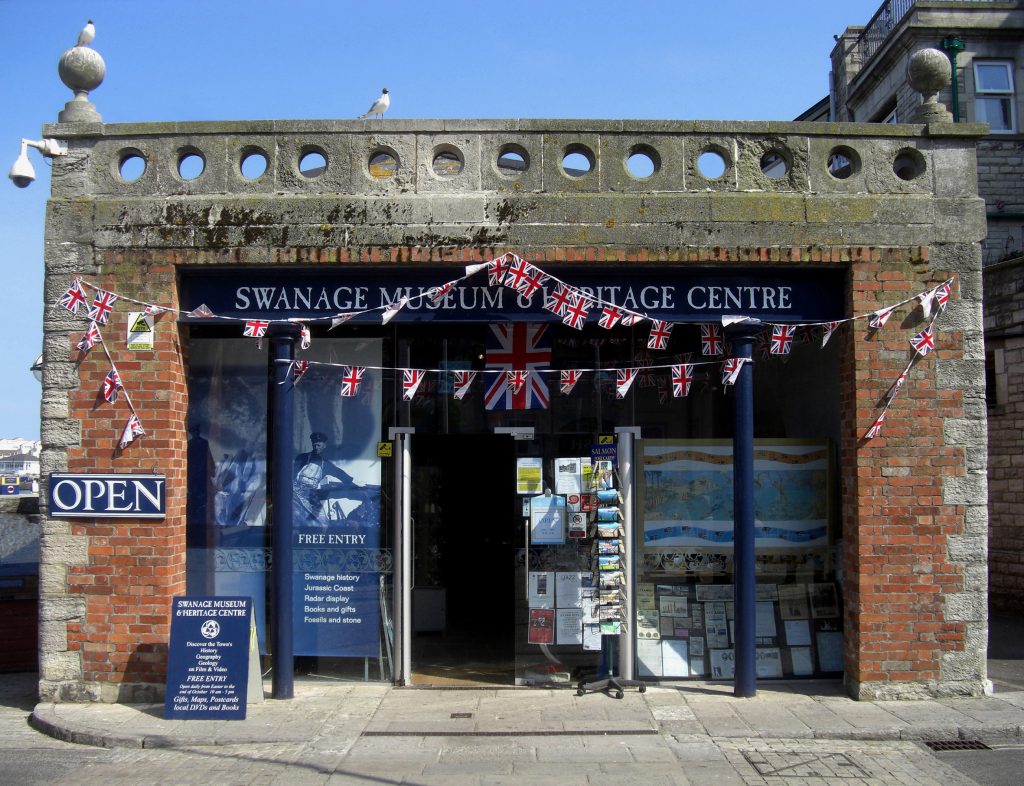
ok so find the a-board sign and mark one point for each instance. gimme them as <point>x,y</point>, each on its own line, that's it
<point>212,658</point>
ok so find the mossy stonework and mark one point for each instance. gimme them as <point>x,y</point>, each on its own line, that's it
<point>912,502</point>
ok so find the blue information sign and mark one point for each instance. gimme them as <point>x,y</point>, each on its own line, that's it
<point>208,661</point>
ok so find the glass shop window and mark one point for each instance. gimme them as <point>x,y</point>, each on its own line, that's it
<point>994,95</point>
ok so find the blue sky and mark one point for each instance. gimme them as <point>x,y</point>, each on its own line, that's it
<point>256,60</point>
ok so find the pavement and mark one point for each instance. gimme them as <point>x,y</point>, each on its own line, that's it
<point>683,733</point>
<point>340,714</point>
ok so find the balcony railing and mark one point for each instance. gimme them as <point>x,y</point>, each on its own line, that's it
<point>885,20</point>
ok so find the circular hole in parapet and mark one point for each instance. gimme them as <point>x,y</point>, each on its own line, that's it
<point>774,164</point>
<point>577,161</point>
<point>447,161</point>
<point>312,162</point>
<point>131,165</point>
<point>643,161</point>
<point>711,164</point>
<point>843,162</point>
<point>513,160</point>
<point>908,164</point>
<point>191,164</point>
<point>253,164</point>
<point>383,163</point>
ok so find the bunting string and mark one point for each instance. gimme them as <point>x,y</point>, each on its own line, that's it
<point>573,305</point>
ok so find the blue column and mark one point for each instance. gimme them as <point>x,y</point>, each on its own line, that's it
<point>742,336</point>
<point>280,460</point>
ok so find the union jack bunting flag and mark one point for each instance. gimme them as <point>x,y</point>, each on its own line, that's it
<point>392,309</point>
<point>74,297</point>
<point>154,310</point>
<point>524,278</point>
<point>411,379</point>
<point>876,428</point>
<point>942,294</point>
<point>517,346</point>
<point>111,384</point>
<point>496,270</point>
<point>782,339</point>
<point>682,378</point>
<point>623,380</point>
<point>880,317</point>
<point>90,339</point>
<point>926,299</point>
<point>305,338</point>
<point>710,339</point>
<point>576,311</point>
<point>515,380</point>
<point>660,332</point>
<point>472,270</point>
<point>568,380</point>
<point>731,370</point>
<point>463,379</point>
<point>437,294</point>
<point>256,328</point>
<point>897,386</point>
<point>132,430</point>
<point>924,342</point>
<point>202,311</point>
<point>299,367</point>
<point>829,328</point>
<point>763,345</point>
<point>351,379</point>
<point>557,301</point>
<point>101,307</point>
<point>341,319</point>
<point>610,316</point>
<point>632,318</point>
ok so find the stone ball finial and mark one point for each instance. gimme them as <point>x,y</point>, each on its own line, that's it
<point>929,72</point>
<point>82,69</point>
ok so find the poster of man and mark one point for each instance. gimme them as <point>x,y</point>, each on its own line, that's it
<point>326,495</point>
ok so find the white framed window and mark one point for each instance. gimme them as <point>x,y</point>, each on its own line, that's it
<point>994,95</point>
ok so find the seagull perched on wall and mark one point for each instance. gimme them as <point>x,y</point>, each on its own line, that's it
<point>380,106</point>
<point>88,33</point>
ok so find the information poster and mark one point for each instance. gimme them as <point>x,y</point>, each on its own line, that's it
<point>542,626</point>
<point>569,590</point>
<point>541,590</point>
<point>208,663</point>
<point>568,476</point>
<point>529,476</point>
<point>569,626</point>
<point>547,519</point>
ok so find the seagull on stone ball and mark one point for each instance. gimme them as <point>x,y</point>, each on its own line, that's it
<point>380,106</point>
<point>88,33</point>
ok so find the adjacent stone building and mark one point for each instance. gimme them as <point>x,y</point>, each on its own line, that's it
<point>442,397</point>
<point>984,39</point>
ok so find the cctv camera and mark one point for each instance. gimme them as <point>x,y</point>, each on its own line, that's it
<point>22,174</point>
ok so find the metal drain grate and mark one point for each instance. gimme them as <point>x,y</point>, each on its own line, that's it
<point>462,715</point>
<point>957,745</point>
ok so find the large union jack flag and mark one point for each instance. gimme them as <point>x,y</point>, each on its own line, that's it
<point>517,346</point>
<point>101,307</point>
<point>74,297</point>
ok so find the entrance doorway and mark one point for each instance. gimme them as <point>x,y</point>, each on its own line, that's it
<point>464,546</point>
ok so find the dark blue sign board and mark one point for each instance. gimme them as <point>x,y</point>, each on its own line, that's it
<point>336,593</point>
<point>107,496</point>
<point>673,294</point>
<point>605,453</point>
<point>208,660</point>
